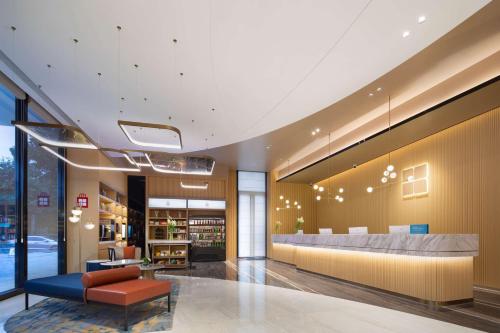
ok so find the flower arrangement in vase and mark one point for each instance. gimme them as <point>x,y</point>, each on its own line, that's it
<point>299,224</point>
<point>277,227</point>
<point>171,224</point>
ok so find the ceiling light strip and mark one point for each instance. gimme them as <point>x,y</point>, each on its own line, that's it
<point>53,142</point>
<point>89,167</point>
<point>195,187</point>
<point>200,173</point>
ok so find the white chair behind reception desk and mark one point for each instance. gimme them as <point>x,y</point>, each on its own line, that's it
<point>358,231</point>
<point>325,231</point>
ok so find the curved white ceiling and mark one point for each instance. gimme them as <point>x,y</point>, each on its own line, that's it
<point>260,64</point>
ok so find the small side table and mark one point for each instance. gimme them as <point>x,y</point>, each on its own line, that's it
<point>148,272</point>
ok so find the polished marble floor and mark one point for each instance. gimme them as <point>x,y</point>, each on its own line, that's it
<point>483,314</point>
<point>268,296</point>
<point>214,305</point>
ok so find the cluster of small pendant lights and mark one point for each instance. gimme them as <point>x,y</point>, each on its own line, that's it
<point>287,204</point>
<point>388,173</point>
<point>321,189</point>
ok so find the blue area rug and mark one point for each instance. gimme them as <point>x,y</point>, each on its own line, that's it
<point>58,316</point>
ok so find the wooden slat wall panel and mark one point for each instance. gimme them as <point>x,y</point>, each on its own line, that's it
<point>434,279</point>
<point>303,194</point>
<point>463,193</point>
<point>170,187</point>
<point>231,216</point>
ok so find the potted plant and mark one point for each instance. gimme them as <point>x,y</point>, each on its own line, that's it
<point>299,224</point>
<point>146,261</point>
<point>171,225</point>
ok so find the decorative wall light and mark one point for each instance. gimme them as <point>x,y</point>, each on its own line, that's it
<point>152,135</point>
<point>56,135</point>
<point>90,167</point>
<point>89,225</point>
<point>194,186</point>
<point>415,181</point>
<point>77,211</point>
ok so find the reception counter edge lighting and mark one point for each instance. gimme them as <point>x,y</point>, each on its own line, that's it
<point>430,245</point>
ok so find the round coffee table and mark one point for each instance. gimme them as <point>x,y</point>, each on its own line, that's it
<point>148,272</point>
<point>121,263</point>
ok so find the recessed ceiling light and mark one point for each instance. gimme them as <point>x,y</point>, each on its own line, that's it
<point>268,147</point>
<point>317,130</point>
<point>313,133</point>
<point>406,33</point>
<point>379,89</point>
<point>421,19</point>
<point>370,94</point>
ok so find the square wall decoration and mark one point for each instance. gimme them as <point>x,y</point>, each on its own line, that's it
<point>415,181</point>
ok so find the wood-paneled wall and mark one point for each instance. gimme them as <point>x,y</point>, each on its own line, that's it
<point>301,193</point>
<point>464,189</point>
<point>82,244</point>
<point>231,216</point>
<point>170,187</point>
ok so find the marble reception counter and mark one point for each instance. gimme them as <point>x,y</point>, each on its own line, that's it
<point>430,245</point>
<point>433,267</point>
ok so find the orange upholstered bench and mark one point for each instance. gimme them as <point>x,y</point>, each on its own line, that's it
<point>122,287</point>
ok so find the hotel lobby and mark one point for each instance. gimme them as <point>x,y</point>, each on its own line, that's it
<point>249,166</point>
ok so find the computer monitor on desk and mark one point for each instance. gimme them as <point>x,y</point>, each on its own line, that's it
<point>358,231</point>
<point>325,231</point>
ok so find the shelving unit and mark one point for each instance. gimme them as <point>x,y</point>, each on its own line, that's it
<point>170,255</point>
<point>158,223</point>
<point>112,207</point>
<point>208,236</point>
<point>199,222</point>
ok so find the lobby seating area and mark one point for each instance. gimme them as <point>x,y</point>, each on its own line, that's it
<point>242,166</point>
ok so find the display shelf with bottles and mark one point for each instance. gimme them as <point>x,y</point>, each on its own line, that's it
<point>208,236</point>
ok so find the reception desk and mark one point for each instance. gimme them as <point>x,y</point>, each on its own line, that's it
<point>433,267</point>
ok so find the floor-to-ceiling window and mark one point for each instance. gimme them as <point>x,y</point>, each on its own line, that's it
<point>8,225</point>
<point>251,214</point>
<point>32,197</point>
<point>42,218</point>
